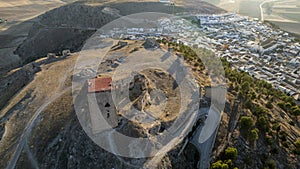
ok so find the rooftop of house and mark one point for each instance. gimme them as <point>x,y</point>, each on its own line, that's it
<point>100,84</point>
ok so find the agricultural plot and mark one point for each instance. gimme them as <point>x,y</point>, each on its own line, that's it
<point>285,14</point>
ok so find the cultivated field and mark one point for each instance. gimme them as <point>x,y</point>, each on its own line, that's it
<point>283,13</point>
<point>244,7</point>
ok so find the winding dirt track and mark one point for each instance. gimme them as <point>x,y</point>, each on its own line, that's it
<point>32,122</point>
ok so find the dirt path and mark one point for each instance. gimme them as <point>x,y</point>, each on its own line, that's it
<point>32,122</point>
<point>31,157</point>
<point>205,136</point>
<point>262,9</point>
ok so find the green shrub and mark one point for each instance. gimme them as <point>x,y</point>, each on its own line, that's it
<point>231,153</point>
<point>296,111</point>
<point>269,141</point>
<point>285,144</point>
<point>271,164</point>
<point>219,165</point>
<point>248,104</point>
<point>276,127</point>
<point>297,147</point>
<point>246,122</point>
<point>269,105</point>
<point>282,105</point>
<point>283,135</point>
<point>253,96</point>
<point>297,143</point>
<point>253,135</point>
<point>262,123</point>
<point>259,111</point>
<point>245,87</point>
<point>196,64</point>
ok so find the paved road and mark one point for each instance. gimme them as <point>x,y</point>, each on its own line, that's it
<point>205,135</point>
<point>31,157</point>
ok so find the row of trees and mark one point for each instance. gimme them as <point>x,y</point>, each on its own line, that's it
<point>201,57</point>
<point>289,107</point>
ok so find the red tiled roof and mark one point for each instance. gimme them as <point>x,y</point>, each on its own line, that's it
<point>99,84</point>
